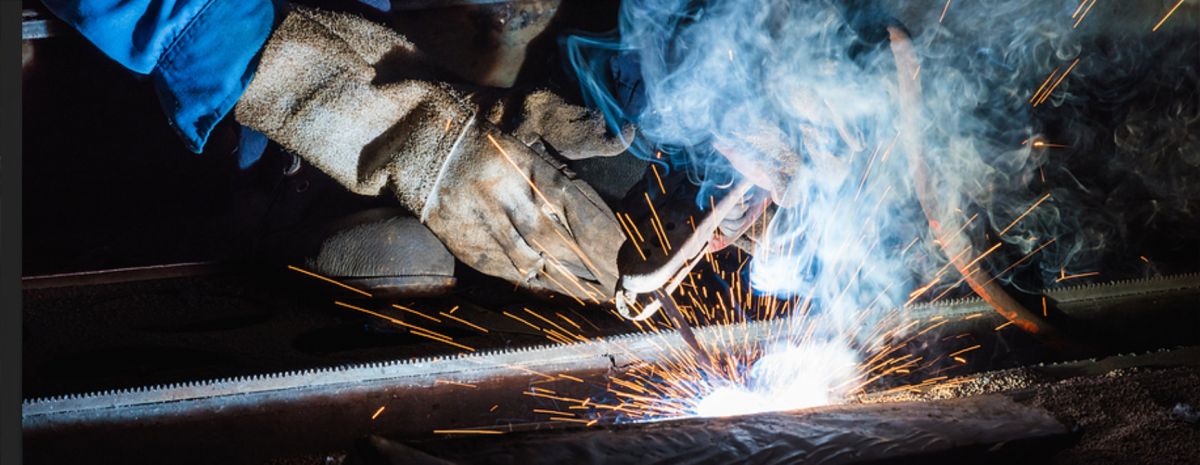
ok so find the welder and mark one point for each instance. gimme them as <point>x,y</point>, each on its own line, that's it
<point>360,102</point>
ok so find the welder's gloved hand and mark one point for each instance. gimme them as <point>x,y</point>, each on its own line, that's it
<point>574,132</point>
<point>356,100</point>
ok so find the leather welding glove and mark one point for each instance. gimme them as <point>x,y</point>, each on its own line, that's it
<point>574,132</point>
<point>357,101</point>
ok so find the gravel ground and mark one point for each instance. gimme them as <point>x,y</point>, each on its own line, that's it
<point>1124,415</point>
<point>1128,416</point>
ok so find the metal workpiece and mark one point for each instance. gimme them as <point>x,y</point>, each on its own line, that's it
<point>1077,301</point>
<point>1102,319</point>
<point>1123,294</point>
<point>326,409</point>
<point>521,365</point>
<point>899,432</point>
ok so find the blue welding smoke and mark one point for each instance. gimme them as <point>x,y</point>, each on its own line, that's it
<point>803,98</point>
<point>803,93</point>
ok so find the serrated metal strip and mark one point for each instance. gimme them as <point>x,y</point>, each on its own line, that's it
<point>598,354</point>
<point>547,359</point>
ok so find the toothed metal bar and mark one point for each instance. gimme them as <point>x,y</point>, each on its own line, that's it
<point>477,367</point>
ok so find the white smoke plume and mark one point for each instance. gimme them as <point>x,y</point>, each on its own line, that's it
<point>808,91</point>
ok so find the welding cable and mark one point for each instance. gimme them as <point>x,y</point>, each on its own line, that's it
<point>979,280</point>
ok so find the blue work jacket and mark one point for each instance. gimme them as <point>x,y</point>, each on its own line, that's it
<point>200,54</point>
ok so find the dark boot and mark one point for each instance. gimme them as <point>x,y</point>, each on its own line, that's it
<point>383,251</point>
<point>299,217</point>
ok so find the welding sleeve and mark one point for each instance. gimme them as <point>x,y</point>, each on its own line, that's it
<point>360,102</point>
<point>200,54</point>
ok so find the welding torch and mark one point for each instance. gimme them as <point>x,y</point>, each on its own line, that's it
<point>645,286</point>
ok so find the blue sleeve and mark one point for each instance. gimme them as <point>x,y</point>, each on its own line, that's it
<point>200,54</point>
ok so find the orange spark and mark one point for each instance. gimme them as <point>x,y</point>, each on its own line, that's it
<point>1043,86</point>
<point>443,341</point>
<point>1062,276</point>
<point>1085,12</point>
<point>1049,91</point>
<point>1168,15</point>
<point>1041,144</point>
<point>1022,260</point>
<point>414,312</point>
<point>569,420</point>
<point>360,291</point>
<point>654,168</point>
<point>518,169</point>
<point>1026,213</point>
<point>570,244</point>
<point>968,349</point>
<point>632,238</point>
<point>379,315</point>
<point>465,322</point>
<point>553,412</point>
<point>1078,8</point>
<point>944,9</point>
<point>377,412</point>
<point>569,377</point>
<point>531,325</point>
<point>635,228</point>
<point>659,230</point>
<point>454,383</point>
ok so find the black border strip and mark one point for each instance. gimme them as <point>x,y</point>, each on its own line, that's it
<point>10,231</point>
